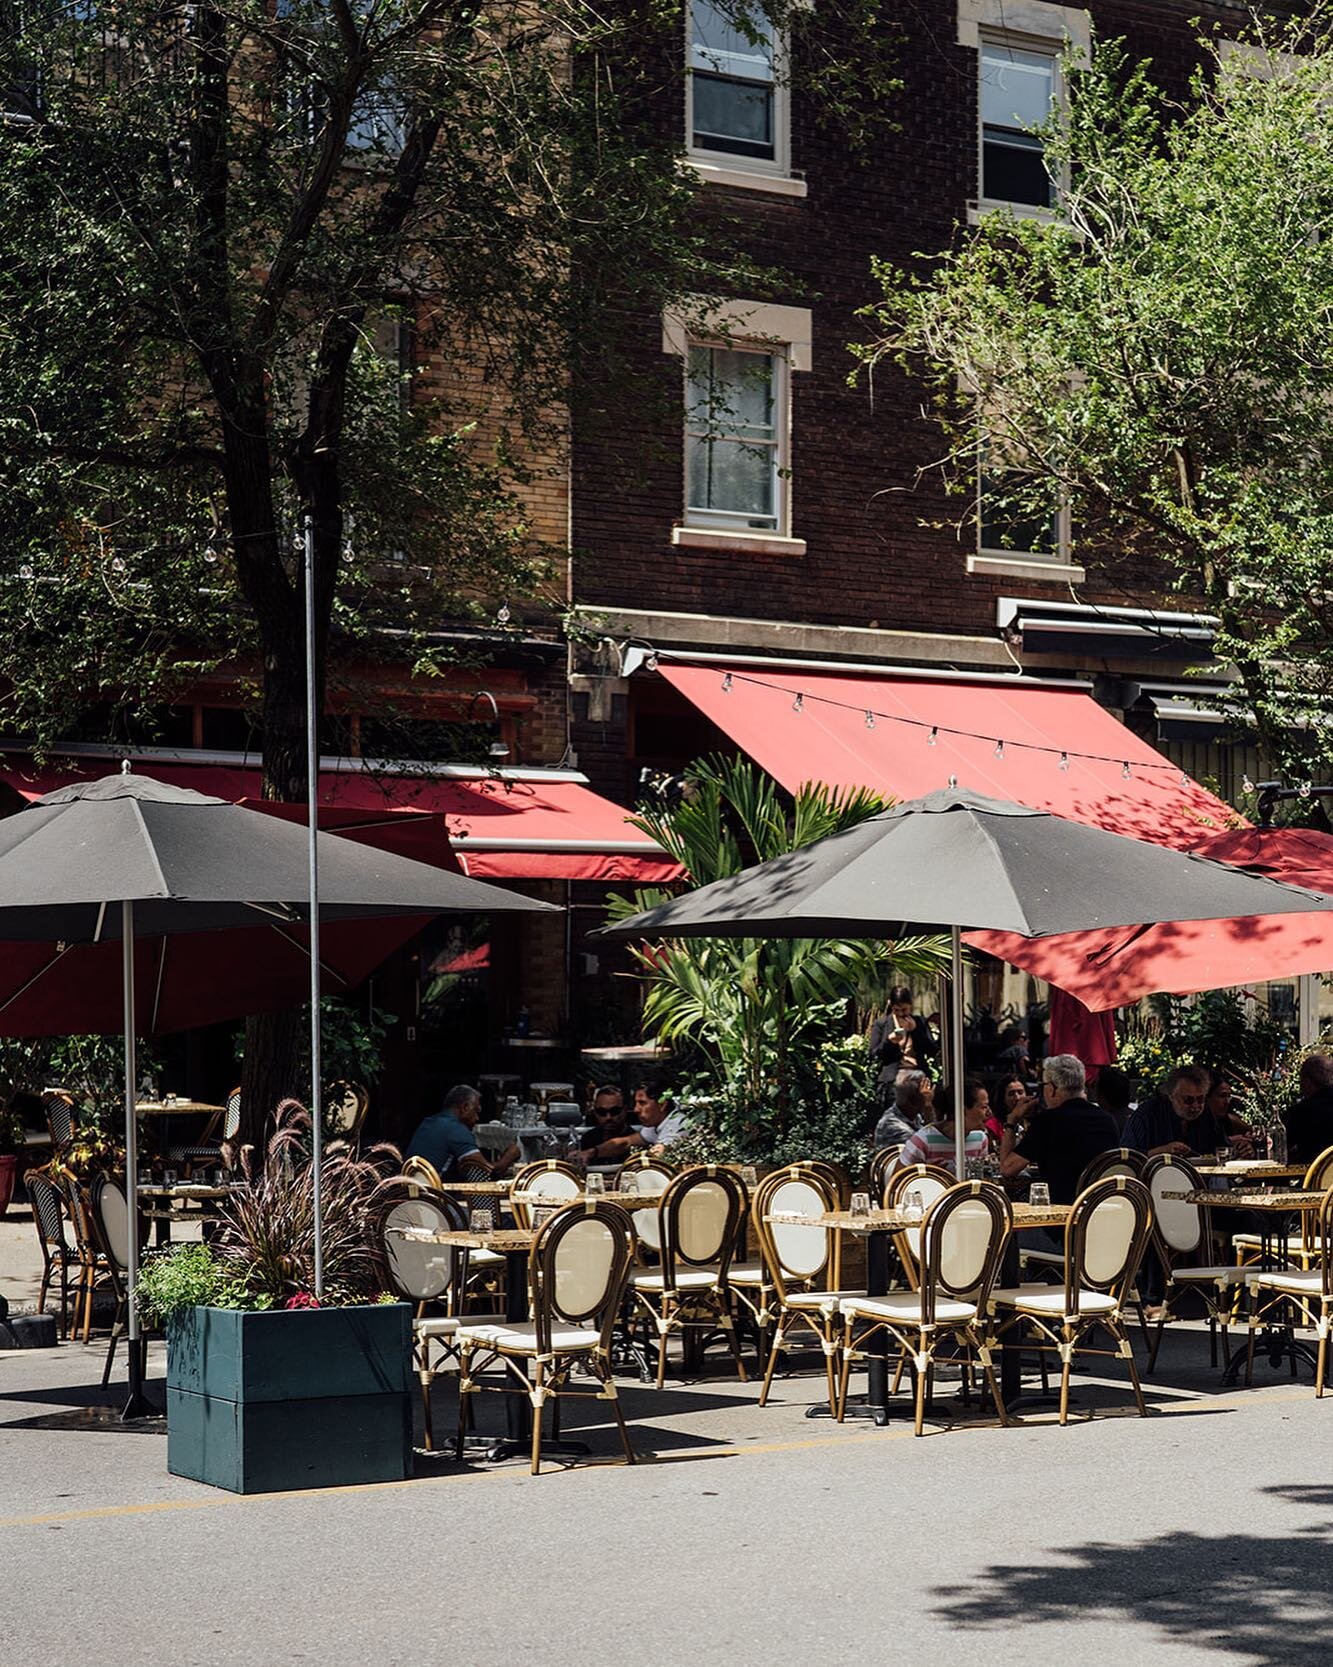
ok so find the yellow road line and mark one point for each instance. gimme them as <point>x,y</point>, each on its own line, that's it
<point>844,1438</point>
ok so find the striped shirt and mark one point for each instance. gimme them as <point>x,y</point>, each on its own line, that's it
<point>932,1145</point>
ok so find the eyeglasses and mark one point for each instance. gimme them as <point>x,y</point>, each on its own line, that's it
<point>1192,1099</point>
<point>607,1111</point>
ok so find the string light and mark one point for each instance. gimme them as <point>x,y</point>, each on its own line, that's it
<point>799,697</point>
<point>1246,785</point>
<point>1307,787</point>
<point>25,572</point>
<point>953,781</point>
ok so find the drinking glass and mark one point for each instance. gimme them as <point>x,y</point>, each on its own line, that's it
<point>145,1175</point>
<point>860,1204</point>
<point>1221,1155</point>
<point>595,1183</point>
<point>479,1221</point>
<point>542,1214</point>
<point>750,1176</point>
<point>974,1169</point>
<point>169,1177</point>
<point>629,1182</point>
<point>913,1205</point>
<point>1039,1194</point>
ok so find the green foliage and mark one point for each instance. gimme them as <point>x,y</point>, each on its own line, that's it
<point>12,1130</point>
<point>350,1040</point>
<point>92,1068</point>
<point>1158,355</point>
<point>834,1105</point>
<point>759,1010</point>
<point>187,1276</point>
<point>211,215</point>
<point>1218,1028</point>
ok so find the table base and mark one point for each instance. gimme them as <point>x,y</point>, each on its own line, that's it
<point>860,1409</point>
<point>510,1447</point>
<point>1275,1342</point>
<point>137,1404</point>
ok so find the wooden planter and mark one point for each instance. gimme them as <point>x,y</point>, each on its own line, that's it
<point>308,1398</point>
<point>9,1169</point>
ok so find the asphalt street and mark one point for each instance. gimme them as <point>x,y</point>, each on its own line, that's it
<point>1201,1535</point>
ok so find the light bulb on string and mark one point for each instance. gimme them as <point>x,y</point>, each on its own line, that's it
<point>1124,771</point>
<point>1307,787</point>
<point>25,572</point>
<point>1246,785</point>
<point>870,720</point>
<point>117,565</point>
<point>726,684</point>
<point>798,703</point>
<point>933,737</point>
<point>1064,761</point>
<point>999,749</point>
<point>953,781</point>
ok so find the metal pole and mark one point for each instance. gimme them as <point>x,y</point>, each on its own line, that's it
<point>956,1052</point>
<point>312,835</point>
<point>137,1405</point>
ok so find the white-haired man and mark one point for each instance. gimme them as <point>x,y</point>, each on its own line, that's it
<point>1063,1135</point>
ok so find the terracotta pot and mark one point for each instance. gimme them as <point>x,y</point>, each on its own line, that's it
<point>9,1172</point>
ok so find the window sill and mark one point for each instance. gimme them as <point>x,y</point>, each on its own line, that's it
<point>744,543</point>
<point>1037,571</point>
<point>744,179</point>
<point>977,212</point>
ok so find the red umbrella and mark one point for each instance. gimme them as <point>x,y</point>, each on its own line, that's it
<point>1114,968</point>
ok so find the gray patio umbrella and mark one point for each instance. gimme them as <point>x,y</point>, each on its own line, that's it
<point>955,860</point>
<point>127,856</point>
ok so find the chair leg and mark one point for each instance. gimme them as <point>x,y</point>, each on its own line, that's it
<point>734,1343</point>
<point>630,1456</point>
<point>1134,1379</point>
<point>661,1356</point>
<point>1321,1365</point>
<point>840,1409</point>
<point>427,1422</point>
<point>1156,1342</point>
<point>996,1395</point>
<point>464,1375</point>
<point>1066,1362</point>
<point>537,1407</point>
<point>922,1374</point>
<point>116,1320</point>
<point>831,1369</point>
<point>774,1350</point>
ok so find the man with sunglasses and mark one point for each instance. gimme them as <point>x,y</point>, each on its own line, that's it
<point>1061,1133</point>
<point>611,1138</point>
<point>1178,1121</point>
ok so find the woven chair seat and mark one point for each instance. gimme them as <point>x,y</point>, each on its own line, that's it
<point>748,1274</point>
<point>1049,1299</point>
<point>687,1279</point>
<point>448,1325</point>
<point>1222,1275</point>
<point>1302,1283</point>
<point>522,1339</point>
<point>906,1306</point>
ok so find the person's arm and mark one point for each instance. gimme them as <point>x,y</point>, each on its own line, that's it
<point>1012,1161</point>
<point>615,1147</point>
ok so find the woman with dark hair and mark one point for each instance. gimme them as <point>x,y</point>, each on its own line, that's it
<point>901,1039</point>
<point>935,1143</point>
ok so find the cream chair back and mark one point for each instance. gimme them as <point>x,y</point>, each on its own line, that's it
<point>1179,1223</point>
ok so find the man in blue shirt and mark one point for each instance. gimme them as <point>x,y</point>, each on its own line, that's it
<point>446,1141</point>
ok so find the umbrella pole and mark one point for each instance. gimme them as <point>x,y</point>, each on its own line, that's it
<point>956,1051</point>
<point>137,1404</point>
<point>312,809</point>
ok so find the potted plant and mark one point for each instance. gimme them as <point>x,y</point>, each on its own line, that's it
<point>13,1139</point>
<point>269,1388</point>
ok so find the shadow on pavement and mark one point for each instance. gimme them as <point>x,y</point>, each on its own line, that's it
<point>1265,1600</point>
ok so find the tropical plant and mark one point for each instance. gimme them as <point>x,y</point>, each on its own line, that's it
<point>12,1130</point>
<point>262,1253</point>
<point>92,1068</point>
<point>1218,1028</point>
<point>758,1009</point>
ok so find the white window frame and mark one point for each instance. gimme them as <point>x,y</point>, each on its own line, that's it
<point>1058,567</point>
<point>753,326</point>
<point>730,523</point>
<point>1026,26</point>
<point>745,173</point>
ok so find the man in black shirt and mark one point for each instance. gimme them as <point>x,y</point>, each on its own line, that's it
<point>1177,1121</point>
<point>611,1139</point>
<point>1063,1136</point>
<point>1310,1120</point>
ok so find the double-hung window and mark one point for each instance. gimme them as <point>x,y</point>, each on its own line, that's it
<point>735,436</point>
<point>735,102</point>
<point>1019,89</point>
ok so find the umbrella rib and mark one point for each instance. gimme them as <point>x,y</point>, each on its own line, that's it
<point>305,950</point>
<point>150,848</point>
<point>40,973</point>
<point>277,911</point>
<point>101,918</point>
<point>161,968</point>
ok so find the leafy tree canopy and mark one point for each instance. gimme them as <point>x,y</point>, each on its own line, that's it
<point>1159,355</point>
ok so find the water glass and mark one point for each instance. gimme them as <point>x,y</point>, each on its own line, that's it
<point>860,1204</point>
<point>628,1183</point>
<point>750,1176</point>
<point>1039,1194</point>
<point>145,1175</point>
<point>594,1184</point>
<point>1221,1155</point>
<point>169,1177</point>
<point>479,1221</point>
<point>542,1214</point>
<point>974,1169</point>
<point>913,1205</point>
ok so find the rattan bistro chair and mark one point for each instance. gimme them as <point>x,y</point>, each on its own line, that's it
<point>803,1266</point>
<point>547,1179</point>
<point>1308,1291</point>
<point>1106,1235</point>
<point>58,1254</point>
<point>928,1181</point>
<point>1303,1248</point>
<point>883,1161</point>
<point>221,1132</point>
<point>962,1240</point>
<point>577,1271</point>
<point>700,1216</point>
<point>1180,1234</point>
<point>58,1105</point>
<point>110,1215</point>
<point>1116,1160</point>
<point>426,1275</point>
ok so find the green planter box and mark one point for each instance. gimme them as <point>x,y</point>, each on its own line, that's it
<point>313,1398</point>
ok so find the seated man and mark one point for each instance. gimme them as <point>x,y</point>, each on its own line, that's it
<point>446,1141</point>
<point>659,1123</point>
<point>1063,1136</point>
<point>1310,1120</point>
<point>611,1138</point>
<point>1178,1120</point>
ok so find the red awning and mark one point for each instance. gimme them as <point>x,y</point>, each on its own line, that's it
<point>500,828</point>
<point>1111,969</point>
<point>827,737</point>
